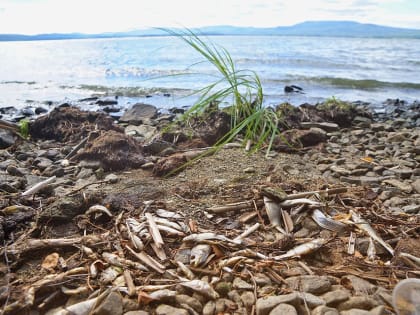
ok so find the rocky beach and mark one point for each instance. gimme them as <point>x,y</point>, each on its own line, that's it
<point>132,213</point>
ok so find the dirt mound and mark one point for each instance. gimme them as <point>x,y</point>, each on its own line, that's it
<point>70,124</point>
<point>114,150</point>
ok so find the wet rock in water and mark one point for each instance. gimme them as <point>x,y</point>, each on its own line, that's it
<point>139,113</point>
<point>114,151</point>
<point>107,101</point>
<point>70,124</point>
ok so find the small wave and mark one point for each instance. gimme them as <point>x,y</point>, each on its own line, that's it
<point>142,72</point>
<point>366,84</point>
<point>346,83</point>
<point>18,82</point>
<point>132,91</point>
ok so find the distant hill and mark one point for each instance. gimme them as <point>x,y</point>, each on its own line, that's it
<point>310,28</point>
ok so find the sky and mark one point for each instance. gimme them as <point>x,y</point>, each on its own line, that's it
<point>96,16</point>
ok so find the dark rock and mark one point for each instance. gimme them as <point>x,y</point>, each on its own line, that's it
<point>63,210</point>
<point>40,110</point>
<point>107,101</point>
<point>114,150</point>
<point>139,113</point>
<point>7,139</point>
<point>70,124</point>
<point>27,112</point>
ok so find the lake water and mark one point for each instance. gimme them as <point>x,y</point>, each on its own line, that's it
<point>151,68</point>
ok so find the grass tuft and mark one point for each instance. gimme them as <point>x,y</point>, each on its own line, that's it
<point>241,88</point>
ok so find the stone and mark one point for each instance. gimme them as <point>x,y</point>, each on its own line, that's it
<point>240,284</point>
<point>266,304</point>
<point>248,298</point>
<point>327,126</point>
<point>139,113</point>
<point>333,298</point>
<point>190,301</point>
<point>404,187</point>
<point>355,311</point>
<point>164,309</point>
<point>359,302</point>
<point>137,313</point>
<point>416,185</point>
<point>112,305</point>
<point>7,139</point>
<point>324,310</point>
<point>146,132</point>
<point>209,308</point>
<point>309,283</point>
<point>283,309</point>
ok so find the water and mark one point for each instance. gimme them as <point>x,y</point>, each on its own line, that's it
<point>151,68</point>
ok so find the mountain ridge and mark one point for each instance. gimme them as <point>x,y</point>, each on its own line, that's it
<point>307,28</point>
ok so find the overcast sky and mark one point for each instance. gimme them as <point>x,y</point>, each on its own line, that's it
<point>92,16</point>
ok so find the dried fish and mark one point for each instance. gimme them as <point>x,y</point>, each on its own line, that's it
<point>201,287</point>
<point>303,249</point>
<point>248,231</point>
<point>327,223</point>
<point>37,187</point>
<point>296,202</point>
<point>166,222</point>
<point>273,211</point>
<point>187,272</point>
<point>170,230</point>
<point>352,244</point>
<point>135,226</point>
<point>100,209</point>
<point>200,237</point>
<point>364,225</point>
<point>168,214</point>
<point>371,251</point>
<point>230,261</point>
<point>122,262</point>
<point>199,254</point>
<point>163,294</point>
<point>154,231</point>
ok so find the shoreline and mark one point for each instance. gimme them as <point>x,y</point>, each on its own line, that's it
<point>107,180</point>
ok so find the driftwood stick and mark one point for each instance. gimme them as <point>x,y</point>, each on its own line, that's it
<point>147,260</point>
<point>235,206</point>
<point>250,203</point>
<point>37,187</point>
<point>154,230</point>
<point>327,192</point>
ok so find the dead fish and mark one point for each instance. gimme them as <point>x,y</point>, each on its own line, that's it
<point>365,226</point>
<point>273,211</point>
<point>199,254</point>
<point>200,237</point>
<point>327,223</point>
<point>100,209</point>
<point>297,202</point>
<point>168,214</point>
<point>303,249</point>
<point>201,287</point>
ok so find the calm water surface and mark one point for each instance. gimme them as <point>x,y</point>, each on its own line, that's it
<point>147,68</point>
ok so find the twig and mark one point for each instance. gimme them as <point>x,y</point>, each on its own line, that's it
<point>147,260</point>
<point>154,231</point>
<point>37,187</point>
<point>235,206</point>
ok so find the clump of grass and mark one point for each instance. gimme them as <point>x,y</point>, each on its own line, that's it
<point>241,88</point>
<point>335,103</point>
<point>24,128</point>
